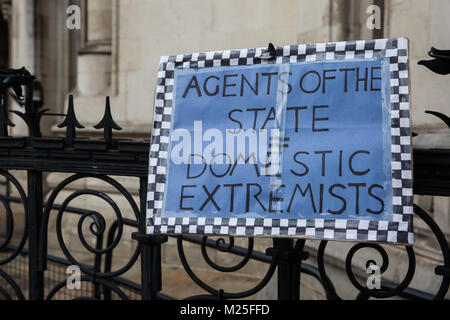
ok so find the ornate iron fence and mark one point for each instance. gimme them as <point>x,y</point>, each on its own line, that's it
<point>103,158</point>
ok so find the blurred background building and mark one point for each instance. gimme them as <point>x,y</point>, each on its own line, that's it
<point>116,52</point>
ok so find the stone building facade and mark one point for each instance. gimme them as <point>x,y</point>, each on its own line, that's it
<point>116,53</point>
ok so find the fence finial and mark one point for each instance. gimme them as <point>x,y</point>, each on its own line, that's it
<point>271,53</point>
<point>441,62</point>
<point>70,123</point>
<point>107,123</point>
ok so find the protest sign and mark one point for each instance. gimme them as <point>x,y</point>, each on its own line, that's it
<point>312,143</point>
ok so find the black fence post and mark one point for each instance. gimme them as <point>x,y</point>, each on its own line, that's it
<point>151,274</point>
<point>289,259</point>
<point>34,210</point>
<point>34,217</point>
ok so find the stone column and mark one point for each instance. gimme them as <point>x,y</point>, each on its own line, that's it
<point>348,20</point>
<point>94,61</point>
<point>22,52</point>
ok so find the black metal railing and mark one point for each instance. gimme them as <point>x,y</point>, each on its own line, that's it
<point>104,158</point>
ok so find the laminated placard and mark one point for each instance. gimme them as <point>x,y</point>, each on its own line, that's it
<point>304,141</point>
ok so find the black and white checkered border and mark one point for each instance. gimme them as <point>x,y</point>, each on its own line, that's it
<point>399,230</point>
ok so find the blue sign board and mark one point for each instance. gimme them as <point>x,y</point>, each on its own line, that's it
<point>313,143</point>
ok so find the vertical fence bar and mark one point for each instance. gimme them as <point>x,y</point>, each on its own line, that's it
<point>145,247</point>
<point>35,209</point>
<point>288,282</point>
<point>289,260</point>
<point>151,274</point>
<point>34,217</point>
<point>155,276</point>
<point>98,289</point>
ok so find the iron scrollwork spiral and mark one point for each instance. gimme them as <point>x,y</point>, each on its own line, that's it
<point>223,247</point>
<point>98,230</point>
<point>444,247</point>
<point>10,220</point>
<point>364,292</point>
<point>6,245</point>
